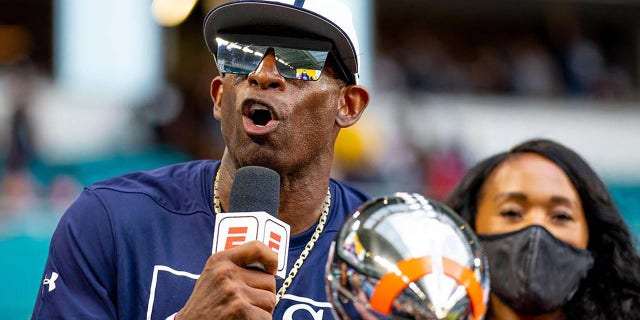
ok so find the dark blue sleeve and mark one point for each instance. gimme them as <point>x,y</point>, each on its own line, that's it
<point>79,275</point>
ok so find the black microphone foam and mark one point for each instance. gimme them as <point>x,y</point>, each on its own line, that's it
<point>255,189</point>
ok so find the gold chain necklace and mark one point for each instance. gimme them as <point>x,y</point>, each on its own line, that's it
<point>307,249</point>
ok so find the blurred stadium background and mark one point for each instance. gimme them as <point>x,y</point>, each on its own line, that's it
<point>89,90</point>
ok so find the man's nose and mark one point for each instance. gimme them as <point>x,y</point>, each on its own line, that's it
<point>266,74</point>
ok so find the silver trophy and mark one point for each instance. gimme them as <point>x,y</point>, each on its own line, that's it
<point>407,257</point>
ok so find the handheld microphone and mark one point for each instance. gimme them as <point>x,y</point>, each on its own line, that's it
<point>253,211</point>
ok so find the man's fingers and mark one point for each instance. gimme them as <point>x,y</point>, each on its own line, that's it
<point>227,290</point>
<point>256,289</point>
<point>254,252</point>
<point>258,280</point>
<point>263,299</point>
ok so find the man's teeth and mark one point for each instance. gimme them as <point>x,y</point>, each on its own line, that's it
<point>257,107</point>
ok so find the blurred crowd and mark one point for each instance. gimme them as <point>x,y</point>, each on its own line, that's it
<point>21,191</point>
<point>556,59</point>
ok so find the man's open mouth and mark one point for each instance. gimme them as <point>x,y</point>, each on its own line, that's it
<point>259,119</point>
<point>260,115</point>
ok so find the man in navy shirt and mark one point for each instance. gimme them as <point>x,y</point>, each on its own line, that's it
<point>139,246</point>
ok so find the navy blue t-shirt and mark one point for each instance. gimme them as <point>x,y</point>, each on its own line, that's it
<point>133,247</point>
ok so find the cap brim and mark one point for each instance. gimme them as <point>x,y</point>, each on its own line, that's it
<point>272,14</point>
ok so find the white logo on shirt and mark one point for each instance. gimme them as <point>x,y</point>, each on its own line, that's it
<point>305,305</point>
<point>288,314</point>
<point>51,281</point>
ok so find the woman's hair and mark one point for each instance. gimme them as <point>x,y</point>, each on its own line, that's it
<point>612,287</point>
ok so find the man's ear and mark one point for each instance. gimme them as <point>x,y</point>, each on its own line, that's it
<point>216,96</point>
<point>353,100</point>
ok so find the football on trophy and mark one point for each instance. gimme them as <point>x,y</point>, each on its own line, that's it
<point>407,257</point>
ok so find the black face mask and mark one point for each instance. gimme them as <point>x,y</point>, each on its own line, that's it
<point>532,271</point>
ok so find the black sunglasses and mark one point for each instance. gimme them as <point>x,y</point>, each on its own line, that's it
<point>296,58</point>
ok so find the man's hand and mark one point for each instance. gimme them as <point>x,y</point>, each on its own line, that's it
<point>227,289</point>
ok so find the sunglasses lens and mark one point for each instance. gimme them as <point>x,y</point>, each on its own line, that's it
<point>233,57</point>
<point>293,63</point>
<point>299,63</point>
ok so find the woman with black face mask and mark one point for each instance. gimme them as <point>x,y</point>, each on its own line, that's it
<point>557,246</point>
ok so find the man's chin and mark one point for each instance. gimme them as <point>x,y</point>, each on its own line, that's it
<point>259,158</point>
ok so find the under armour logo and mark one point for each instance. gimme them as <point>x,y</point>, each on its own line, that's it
<point>51,281</point>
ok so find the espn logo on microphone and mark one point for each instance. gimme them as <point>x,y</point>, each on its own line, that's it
<point>233,229</point>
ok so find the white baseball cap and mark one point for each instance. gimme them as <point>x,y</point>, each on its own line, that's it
<point>330,19</point>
